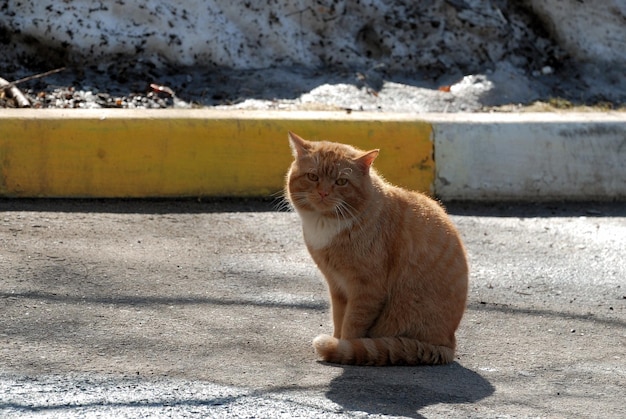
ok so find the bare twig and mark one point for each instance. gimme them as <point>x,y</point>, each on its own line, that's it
<point>15,93</point>
<point>33,77</point>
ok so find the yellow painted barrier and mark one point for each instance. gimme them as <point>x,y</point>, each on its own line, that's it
<point>190,153</point>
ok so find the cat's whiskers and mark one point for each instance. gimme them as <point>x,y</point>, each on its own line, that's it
<point>350,213</point>
<point>300,198</point>
<point>280,203</point>
<point>344,211</point>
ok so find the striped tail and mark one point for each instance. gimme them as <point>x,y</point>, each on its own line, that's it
<point>381,351</point>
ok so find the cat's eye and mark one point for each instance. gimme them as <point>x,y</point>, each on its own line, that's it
<point>341,181</point>
<point>312,177</point>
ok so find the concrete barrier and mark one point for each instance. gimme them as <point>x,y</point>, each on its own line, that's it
<point>189,153</point>
<point>544,156</point>
<point>203,152</point>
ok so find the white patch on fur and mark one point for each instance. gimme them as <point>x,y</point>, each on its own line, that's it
<point>324,342</point>
<point>318,230</point>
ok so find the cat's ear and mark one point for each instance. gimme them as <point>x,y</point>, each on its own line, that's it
<point>299,146</point>
<point>366,160</point>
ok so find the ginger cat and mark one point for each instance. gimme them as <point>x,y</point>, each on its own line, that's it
<point>395,265</point>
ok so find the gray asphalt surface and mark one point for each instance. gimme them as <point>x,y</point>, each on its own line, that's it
<point>207,309</point>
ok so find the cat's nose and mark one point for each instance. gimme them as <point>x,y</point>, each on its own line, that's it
<point>322,193</point>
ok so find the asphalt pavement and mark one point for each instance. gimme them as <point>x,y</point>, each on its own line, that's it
<point>124,308</point>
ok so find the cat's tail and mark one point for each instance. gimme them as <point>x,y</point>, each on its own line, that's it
<point>381,351</point>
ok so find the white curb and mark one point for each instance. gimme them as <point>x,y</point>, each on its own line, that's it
<point>530,156</point>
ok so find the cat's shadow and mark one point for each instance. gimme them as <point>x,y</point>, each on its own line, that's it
<point>404,391</point>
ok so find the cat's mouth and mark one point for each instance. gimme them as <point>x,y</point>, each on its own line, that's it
<point>329,209</point>
<point>323,204</point>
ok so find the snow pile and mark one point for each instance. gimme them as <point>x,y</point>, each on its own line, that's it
<point>246,34</point>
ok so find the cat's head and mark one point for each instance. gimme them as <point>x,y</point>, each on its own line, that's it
<point>329,178</point>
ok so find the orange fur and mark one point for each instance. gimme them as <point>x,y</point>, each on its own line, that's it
<point>395,265</point>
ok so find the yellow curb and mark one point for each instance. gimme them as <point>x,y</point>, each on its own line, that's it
<point>190,153</point>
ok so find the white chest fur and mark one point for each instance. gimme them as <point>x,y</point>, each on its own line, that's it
<point>319,231</point>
